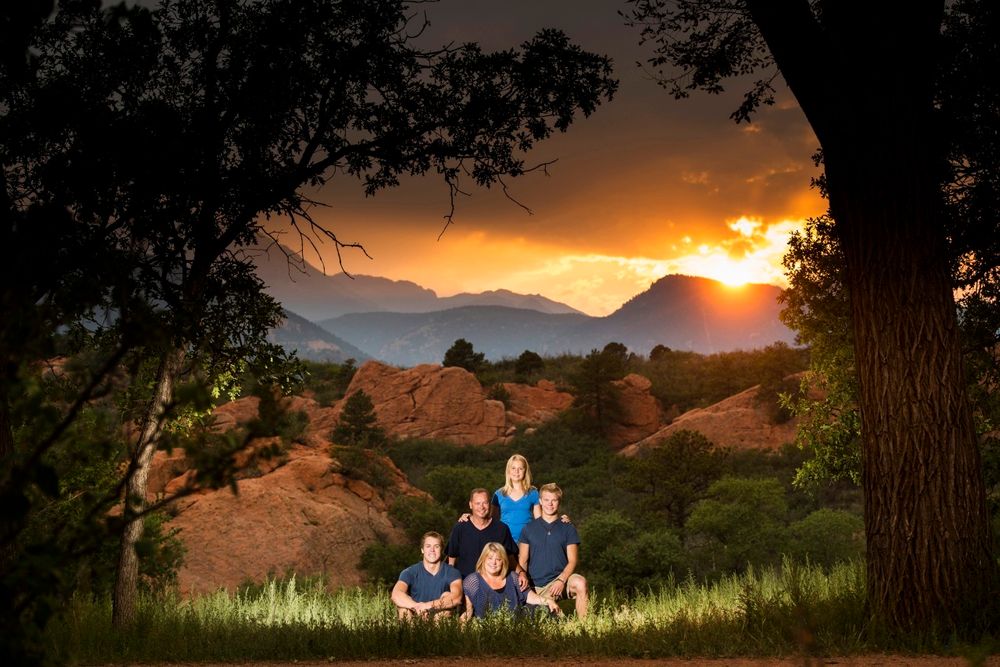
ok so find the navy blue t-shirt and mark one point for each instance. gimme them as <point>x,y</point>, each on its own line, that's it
<point>547,544</point>
<point>466,543</point>
<point>423,586</point>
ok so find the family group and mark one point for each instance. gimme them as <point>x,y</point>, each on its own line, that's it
<point>513,551</point>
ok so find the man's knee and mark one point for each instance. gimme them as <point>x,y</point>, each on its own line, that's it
<point>577,585</point>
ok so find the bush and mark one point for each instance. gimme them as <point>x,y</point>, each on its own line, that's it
<point>827,537</point>
<point>420,515</point>
<point>615,555</point>
<point>451,485</point>
<point>383,562</point>
<point>740,523</point>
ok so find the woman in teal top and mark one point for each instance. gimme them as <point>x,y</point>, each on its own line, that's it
<point>516,502</point>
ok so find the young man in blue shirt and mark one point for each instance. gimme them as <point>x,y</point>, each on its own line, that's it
<point>549,549</point>
<point>429,587</point>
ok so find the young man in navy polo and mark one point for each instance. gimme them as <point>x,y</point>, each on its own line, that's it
<point>549,550</point>
<point>431,586</point>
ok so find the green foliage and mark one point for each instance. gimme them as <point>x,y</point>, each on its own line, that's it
<point>671,477</point>
<point>275,420</point>
<point>827,537</point>
<point>420,515</point>
<point>741,522</point>
<point>462,354</point>
<point>528,365</point>
<point>328,382</point>
<point>451,485</point>
<point>361,464</point>
<point>793,610</point>
<point>617,555</point>
<point>383,562</point>
<point>357,424</point>
<point>498,392</point>
<point>684,380</point>
<point>594,396</point>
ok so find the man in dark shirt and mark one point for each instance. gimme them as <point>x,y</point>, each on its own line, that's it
<point>469,537</point>
<point>549,549</point>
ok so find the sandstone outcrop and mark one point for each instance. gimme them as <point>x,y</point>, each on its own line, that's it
<point>740,422</point>
<point>296,512</point>
<point>531,405</point>
<point>429,401</point>
<point>303,517</point>
<point>638,413</point>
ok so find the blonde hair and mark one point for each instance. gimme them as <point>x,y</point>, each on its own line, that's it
<point>508,486</point>
<point>495,548</point>
<point>552,488</point>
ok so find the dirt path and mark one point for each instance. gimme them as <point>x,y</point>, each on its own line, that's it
<point>873,660</point>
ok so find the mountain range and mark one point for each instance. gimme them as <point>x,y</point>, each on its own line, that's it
<point>680,312</point>
<point>315,296</point>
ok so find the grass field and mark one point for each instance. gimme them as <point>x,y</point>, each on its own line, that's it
<point>794,610</point>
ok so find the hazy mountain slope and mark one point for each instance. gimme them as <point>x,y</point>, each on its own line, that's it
<point>413,338</point>
<point>503,297</point>
<point>689,313</point>
<point>680,312</point>
<point>313,342</point>
<point>316,296</point>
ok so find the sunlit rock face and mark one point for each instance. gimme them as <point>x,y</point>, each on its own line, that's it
<point>429,401</point>
<point>638,414</point>
<point>740,422</point>
<point>532,405</point>
<point>296,512</point>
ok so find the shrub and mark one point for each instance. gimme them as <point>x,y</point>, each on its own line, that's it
<point>740,523</point>
<point>827,537</point>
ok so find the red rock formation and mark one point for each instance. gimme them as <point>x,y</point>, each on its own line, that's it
<point>296,512</point>
<point>429,401</point>
<point>302,517</point>
<point>533,405</point>
<point>639,411</point>
<point>740,422</point>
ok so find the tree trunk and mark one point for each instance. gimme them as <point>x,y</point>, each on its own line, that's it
<point>926,520</point>
<point>864,76</point>
<point>127,574</point>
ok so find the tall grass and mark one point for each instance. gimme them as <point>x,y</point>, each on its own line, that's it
<point>792,610</point>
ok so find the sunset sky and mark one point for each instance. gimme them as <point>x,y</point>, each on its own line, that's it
<point>645,187</point>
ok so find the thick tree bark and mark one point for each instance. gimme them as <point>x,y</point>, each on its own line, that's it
<point>127,574</point>
<point>926,520</point>
<point>868,95</point>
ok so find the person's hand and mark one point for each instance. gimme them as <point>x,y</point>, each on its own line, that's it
<point>565,518</point>
<point>522,580</point>
<point>553,607</point>
<point>465,517</point>
<point>557,588</point>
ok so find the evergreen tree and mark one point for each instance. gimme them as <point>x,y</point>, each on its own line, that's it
<point>462,354</point>
<point>357,425</point>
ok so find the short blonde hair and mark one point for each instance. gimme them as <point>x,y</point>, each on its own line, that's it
<point>551,487</point>
<point>493,548</point>
<point>508,486</point>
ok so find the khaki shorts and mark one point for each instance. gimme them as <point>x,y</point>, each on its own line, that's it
<point>544,590</point>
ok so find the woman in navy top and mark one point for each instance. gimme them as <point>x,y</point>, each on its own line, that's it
<point>492,588</point>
